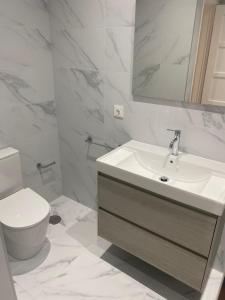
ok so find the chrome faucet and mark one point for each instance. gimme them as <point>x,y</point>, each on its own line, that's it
<point>174,144</point>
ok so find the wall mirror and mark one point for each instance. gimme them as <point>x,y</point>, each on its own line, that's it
<point>179,51</point>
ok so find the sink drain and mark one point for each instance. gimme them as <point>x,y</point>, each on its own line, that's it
<point>164,179</point>
<point>55,220</point>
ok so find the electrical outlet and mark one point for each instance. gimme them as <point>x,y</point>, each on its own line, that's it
<point>118,111</point>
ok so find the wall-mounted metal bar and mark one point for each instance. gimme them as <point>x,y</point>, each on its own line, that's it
<point>90,141</point>
<point>40,166</point>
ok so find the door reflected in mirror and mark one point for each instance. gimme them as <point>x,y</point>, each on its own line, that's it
<point>179,51</point>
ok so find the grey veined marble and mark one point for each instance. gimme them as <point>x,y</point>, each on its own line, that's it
<point>92,44</point>
<point>75,264</point>
<point>163,37</point>
<point>28,114</point>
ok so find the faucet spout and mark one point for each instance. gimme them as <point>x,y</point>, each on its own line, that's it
<point>175,143</point>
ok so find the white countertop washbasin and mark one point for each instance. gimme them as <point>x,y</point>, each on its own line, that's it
<point>192,180</point>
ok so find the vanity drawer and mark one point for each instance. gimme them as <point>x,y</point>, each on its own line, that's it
<point>166,256</point>
<point>189,228</point>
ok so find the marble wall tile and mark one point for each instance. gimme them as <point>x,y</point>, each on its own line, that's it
<point>81,113</point>
<point>119,13</point>
<point>117,91</point>
<point>78,14</point>
<point>118,49</point>
<point>81,48</point>
<point>28,115</point>
<point>85,95</point>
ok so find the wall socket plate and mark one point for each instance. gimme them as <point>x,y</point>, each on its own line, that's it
<point>118,111</point>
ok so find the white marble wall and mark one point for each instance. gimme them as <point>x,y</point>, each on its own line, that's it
<point>93,44</point>
<point>27,104</point>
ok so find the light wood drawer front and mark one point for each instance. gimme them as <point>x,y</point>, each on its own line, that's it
<point>166,256</point>
<point>189,228</point>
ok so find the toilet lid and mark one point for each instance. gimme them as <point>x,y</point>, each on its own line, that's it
<point>24,208</point>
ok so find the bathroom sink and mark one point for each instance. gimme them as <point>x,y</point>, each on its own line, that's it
<point>186,178</point>
<point>173,168</point>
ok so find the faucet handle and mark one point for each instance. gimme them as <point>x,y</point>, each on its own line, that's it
<point>176,131</point>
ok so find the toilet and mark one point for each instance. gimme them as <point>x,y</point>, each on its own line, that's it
<point>24,214</point>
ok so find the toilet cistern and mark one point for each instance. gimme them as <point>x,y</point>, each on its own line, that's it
<point>174,144</point>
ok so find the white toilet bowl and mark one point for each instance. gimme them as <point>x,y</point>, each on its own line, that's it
<point>25,218</point>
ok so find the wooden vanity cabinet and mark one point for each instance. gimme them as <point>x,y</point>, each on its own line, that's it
<point>177,239</point>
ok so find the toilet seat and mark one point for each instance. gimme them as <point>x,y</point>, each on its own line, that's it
<point>23,209</point>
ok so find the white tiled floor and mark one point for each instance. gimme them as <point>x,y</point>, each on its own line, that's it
<point>75,264</point>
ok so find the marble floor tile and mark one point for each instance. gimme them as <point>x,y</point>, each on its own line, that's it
<point>214,284</point>
<point>84,224</point>
<point>21,293</point>
<point>19,267</point>
<point>100,247</point>
<point>71,272</point>
<point>96,279</point>
<point>76,264</point>
<point>70,211</point>
<point>88,277</point>
<point>63,250</point>
<point>85,232</point>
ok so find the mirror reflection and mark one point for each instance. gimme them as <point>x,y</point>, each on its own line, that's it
<point>179,51</point>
